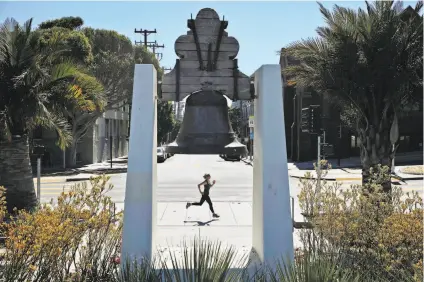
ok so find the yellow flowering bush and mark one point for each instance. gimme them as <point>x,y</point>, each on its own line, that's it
<point>71,240</point>
<point>378,234</point>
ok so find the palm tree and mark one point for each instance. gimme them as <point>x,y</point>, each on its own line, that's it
<point>28,72</point>
<point>370,62</point>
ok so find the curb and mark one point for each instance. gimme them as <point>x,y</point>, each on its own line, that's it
<point>77,179</point>
<point>104,171</point>
<point>412,178</point>
<point>304,177</point>
<point>393,179</point>
<point>247,162</point>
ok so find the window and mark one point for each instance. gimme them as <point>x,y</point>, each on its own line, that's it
<point>355,141</point>
<point>107,128</point>
<point>352,141</point>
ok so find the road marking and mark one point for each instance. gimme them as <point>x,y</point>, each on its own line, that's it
<point>50,180</point>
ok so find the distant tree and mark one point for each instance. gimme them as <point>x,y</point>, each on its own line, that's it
<point>175,130</point>
<point>236,120</point>
<point>112,65</point>
<point>76,45</point>
<point>114,58</point>
<point>65,22</point>
<point>165,120</point>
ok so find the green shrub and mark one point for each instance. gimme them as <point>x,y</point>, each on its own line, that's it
<point>376,234</point>
<point>71,241</point>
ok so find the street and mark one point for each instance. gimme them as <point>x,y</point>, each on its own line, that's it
<point>177,184</point>
<point>178,178</point>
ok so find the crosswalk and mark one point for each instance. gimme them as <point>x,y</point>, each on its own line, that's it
<point>164,192</point>
<point>178,192</point>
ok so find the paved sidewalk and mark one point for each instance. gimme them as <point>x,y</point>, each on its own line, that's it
<point>176,224</point>
<point>350,168</point>
<point>352,174</point>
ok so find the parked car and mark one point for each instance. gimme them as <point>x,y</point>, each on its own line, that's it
<point>232,158</point>
<point>161,155</point>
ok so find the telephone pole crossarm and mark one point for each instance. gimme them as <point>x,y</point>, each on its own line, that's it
<point>145,32</point>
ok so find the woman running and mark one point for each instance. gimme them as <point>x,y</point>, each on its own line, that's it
<point>205,194</point>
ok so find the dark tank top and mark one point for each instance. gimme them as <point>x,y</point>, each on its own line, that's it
<point>207,188</point>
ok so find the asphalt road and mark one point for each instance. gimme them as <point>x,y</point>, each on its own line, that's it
<point>178,178</point>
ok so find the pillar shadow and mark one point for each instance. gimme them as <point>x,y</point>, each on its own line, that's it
<point>200,223</point>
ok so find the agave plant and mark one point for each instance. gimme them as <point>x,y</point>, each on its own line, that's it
<point>28,73</point>
<point>310,268</point>
<point>138,271</point>
<point>205,261</point>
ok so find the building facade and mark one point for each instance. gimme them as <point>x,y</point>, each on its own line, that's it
<point>179,109</point>
<point>247,110</point>
<point>94,147</point>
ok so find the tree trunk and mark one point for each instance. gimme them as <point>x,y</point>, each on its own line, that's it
<point>16,174</point>
<point>72,160</point>
<point>375,149</point>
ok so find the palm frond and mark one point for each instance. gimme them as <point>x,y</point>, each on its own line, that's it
<point>55,121</point>
<point>418,6</point>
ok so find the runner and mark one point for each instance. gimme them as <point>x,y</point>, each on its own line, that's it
<point>205,194</point>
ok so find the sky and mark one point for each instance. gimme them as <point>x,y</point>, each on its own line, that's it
<point>262,28</point>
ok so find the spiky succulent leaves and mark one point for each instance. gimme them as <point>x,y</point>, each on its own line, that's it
<point>310,268</point>
<point>138,270</point>
<point>206,261</point>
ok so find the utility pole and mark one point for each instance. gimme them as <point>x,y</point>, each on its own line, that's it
<point>145,32</point>
<point>319,163</point>
<point>142,42</point>
<point>154,46</point>
<point>339,145</point>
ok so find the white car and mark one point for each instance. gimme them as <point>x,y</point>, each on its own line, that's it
<point>161,155</point>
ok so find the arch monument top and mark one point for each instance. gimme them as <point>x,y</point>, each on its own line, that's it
<point>206,61</point>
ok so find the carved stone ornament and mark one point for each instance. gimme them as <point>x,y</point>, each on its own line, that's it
<point>206,62</point>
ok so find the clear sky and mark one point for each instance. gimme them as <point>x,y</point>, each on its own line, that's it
<point>262,28</point>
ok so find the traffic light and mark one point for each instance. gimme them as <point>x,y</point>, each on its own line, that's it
<point>305,123</point>
<point>311,119</point>
<point>315,116</point>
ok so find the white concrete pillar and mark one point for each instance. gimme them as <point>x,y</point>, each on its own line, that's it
<point>140,193</point>
<point>101,138</point>
<point>272,223</point>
